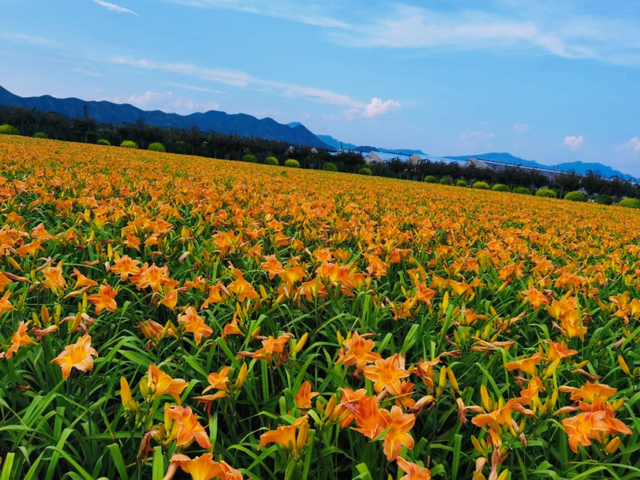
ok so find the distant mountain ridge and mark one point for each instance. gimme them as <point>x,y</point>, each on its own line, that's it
<point>212,121</point>
<point>578,167</point>
<point>336,144</point>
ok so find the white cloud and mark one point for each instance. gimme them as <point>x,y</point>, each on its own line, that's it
<point>632,146</point>
<point>114,8</point>
<point>241,79</point>
<point>378,107</point>
<point>167,102</point>
<point>521,127</point>
<point>477,135</point>
<point>28,39</point>
<point>574,142</point>
<point>307,12</point>
<point>191,87</point>
<point>84,71</point>
<point>558,28</point>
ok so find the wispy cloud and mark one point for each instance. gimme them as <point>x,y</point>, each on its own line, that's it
<point>28,39</point>
<point>574,142</point>
<point>115,8</point>
<point>307,12</point>
<point>521,127</point>
<point>166,101</point>
<point>241,79</point>
<point>192,87</point>
<point>477,135</point>
<point>84,71</point>
<point>558,28</point>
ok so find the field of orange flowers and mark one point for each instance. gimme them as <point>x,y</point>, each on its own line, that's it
<point>168,317</point>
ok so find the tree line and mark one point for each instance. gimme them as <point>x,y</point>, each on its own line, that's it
<point>234,147</point>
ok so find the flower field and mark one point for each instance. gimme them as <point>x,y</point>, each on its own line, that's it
<point>165,316</point>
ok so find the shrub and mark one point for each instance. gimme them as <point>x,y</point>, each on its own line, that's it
<point>500,187</point>
<point>249,158</point>
<point>604,199</point>
<point>330,167</point>
<point>630,203</point>
<point>430,179</point>
<point>129,144</point>
<point>291,163</point>
<point>445,181</point>
<point>461,183</point>
<point>271,161</point>
<point>480,186</point>
<point>8,130</point>
<point>40,135</point>
<point>365,171</point>
<point>104,142</point>
<point>547,193</point>
<point>522,190</point>
<point>157,147</point>
<point>576,197</point>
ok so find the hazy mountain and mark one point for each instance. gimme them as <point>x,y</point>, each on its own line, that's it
<point>578,167</point>
<point>332,142</point>
<point>212,121</point>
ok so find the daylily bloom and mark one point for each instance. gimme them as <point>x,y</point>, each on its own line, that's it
<point>53,278</point>
<point>243,289</point>
<point>219,381</point>
<point>152,276</point>
<point>526,365</point>
<point>584,427</point>
<point>591,392</point>
<point>270,347</point>
<point>20,338</point>
<point>182,425</point>
<point>159,383</point>
<point>194,323</point>
<point>399,425</point>
<point>559,350</point>
<point>203,468</point>
<point>366,413</point>
<point>82,281</point>
<point>285,435</point>
<point>358,352</point>
<point>77,355</point>
<point>304,395</point>
<point>386,372</point>
<point>104,299</point>
<point>413,471</point>
<point>125,266</point>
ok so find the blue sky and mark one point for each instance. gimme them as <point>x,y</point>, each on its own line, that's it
<point>545,80</point>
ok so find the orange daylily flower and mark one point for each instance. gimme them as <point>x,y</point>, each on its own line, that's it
<point>219,381</point>
<point>591,392</point>
<point>399,425</point>
<point>272,266</point>
<point>152,276</point>
<point>366,413</point>
<point>559,350</point>
<point>83,281</point>
<point>243,289</point>
<point>526,365</point>
<point>285,435</point>
<point>104,299</point>
<point>20,338</point>
<point>125,266</point>
<point>194,323</point>
<point>413,471</point>
<point>584,427</point>
<point>304,395</point>
<point>535,298</point>
<point>5,303</point>
<point>386,372</point>
<point>78,355</point>
<point>159,383</point>
<point>182,426</point>
<point>358,352</point>
<point>203,468</point>
<point>270,347</point>
<point>54,279</point>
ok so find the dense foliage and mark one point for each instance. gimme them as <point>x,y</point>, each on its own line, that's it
<point>163,312</point>
<point>157,147</point>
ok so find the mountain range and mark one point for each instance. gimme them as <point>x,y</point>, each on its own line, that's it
<point>214,121</point>
<point>578,167</point>
<point>248,126</point>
